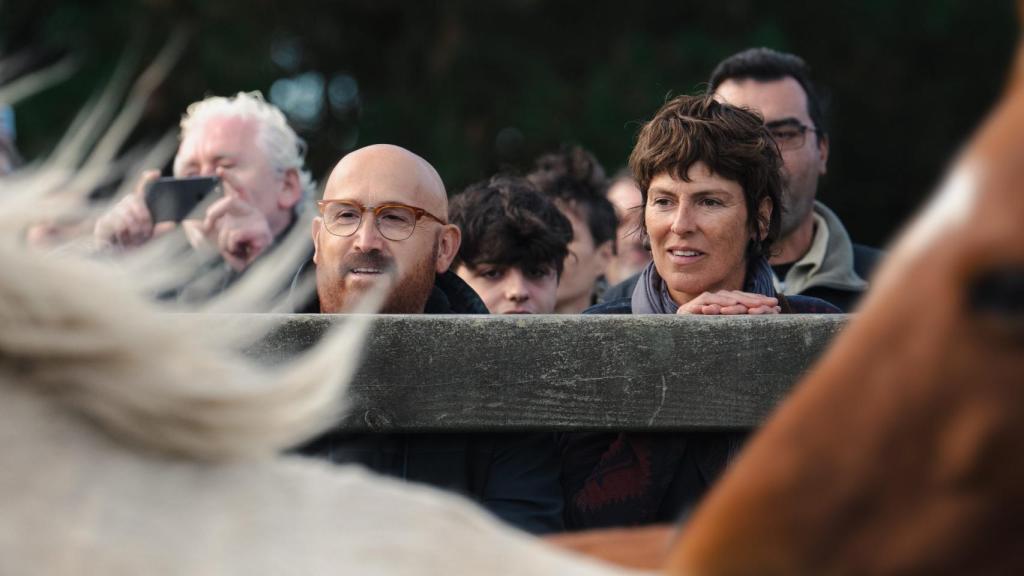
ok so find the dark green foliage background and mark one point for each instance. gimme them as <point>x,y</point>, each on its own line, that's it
<point>908,79</point>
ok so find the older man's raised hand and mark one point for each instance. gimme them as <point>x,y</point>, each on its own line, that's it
<point>128,223</point>
<point>233,226</point>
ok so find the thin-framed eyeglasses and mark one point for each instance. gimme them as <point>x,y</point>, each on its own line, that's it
<point>789,134</point>
<point>394,220</point>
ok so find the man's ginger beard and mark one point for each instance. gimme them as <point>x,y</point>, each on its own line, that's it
<point>408,296</point>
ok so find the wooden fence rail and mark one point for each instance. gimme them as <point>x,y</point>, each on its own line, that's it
<point>489,373</point>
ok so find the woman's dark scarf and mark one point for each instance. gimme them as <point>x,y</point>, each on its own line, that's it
<point>651,294</point>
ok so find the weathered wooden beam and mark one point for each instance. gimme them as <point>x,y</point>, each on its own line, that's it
<point>487,373</point>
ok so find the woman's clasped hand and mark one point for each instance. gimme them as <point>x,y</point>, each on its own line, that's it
<point>731,302</point>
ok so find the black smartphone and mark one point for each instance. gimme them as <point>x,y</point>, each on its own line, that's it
<point>173,199</point>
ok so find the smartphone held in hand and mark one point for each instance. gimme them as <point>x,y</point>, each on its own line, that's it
<point>173,199</point>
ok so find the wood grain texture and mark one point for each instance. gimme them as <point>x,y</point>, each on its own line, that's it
<point>486,373</point>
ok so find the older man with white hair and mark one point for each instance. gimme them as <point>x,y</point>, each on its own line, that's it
<point>247,143</point>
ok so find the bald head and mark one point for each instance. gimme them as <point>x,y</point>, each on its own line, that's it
<point>386,173</point>
<point>348,265</point>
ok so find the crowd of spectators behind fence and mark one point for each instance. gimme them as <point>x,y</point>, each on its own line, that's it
<point>716,213</point>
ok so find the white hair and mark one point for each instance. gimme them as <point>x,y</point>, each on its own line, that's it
<point>284,148</point>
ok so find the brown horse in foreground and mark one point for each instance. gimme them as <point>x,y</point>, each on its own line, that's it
<point>901,452</point>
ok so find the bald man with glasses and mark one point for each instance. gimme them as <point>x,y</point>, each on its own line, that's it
<point>384,225</point>
<point>384,215</point>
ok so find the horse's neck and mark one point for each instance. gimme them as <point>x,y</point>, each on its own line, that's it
<point>35,428</point>
<point>46,456</point>
<point>76,502</point>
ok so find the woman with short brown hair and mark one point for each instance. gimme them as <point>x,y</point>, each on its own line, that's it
<point>709,174</point>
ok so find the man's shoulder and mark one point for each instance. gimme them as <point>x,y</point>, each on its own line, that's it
<point>623,289</point>
<point>301,297</point>
<point>865,259</point>
<point>617,306</point>
<point>451,295</point>
<point>800,304</point>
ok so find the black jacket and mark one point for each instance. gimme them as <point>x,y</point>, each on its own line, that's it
<point>515,476</point>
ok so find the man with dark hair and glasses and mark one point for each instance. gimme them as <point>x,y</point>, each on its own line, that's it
<point>814,254</point>
<point>384,216</point>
